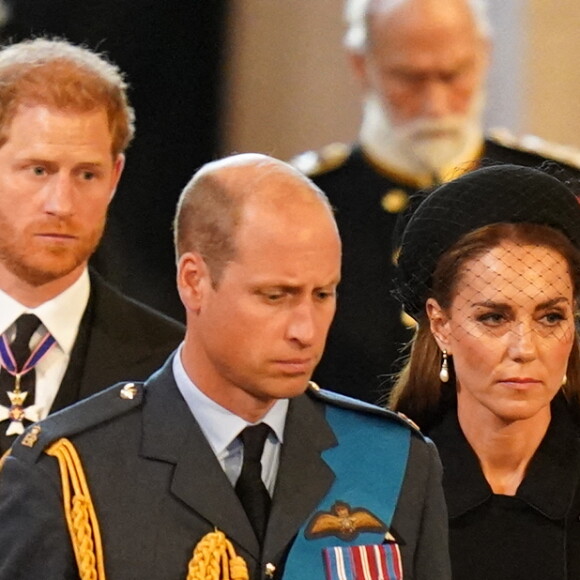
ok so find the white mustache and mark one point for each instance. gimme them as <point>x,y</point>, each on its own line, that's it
<point>433,128</point>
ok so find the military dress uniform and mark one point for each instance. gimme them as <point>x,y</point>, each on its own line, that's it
<point>153,489</point>
<point>366,341</point>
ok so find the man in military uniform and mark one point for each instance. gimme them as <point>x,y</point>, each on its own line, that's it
<point>64,333</point>
<point>226,449</point>
<point>422,66</point>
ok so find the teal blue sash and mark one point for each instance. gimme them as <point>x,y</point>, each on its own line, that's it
<point>369,465</point>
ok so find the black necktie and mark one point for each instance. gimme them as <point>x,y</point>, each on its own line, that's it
<point>250,487</point>
<point>26,325</point>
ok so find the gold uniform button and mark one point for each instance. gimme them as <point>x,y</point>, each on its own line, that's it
<point>395,200</point>
<point>270,569</point>
<point>129,391</point>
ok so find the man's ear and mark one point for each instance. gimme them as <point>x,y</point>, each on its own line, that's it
<point>439,324</point>
<point>193,280</point>
<point>485,54</point>
<point>358,64</point>
<point>118,166</point>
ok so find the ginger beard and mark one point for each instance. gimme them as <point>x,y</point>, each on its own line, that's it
<point>36,259</point>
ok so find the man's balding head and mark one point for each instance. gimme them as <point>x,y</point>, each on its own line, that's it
<point>259,262</point>
<point>213,204</point>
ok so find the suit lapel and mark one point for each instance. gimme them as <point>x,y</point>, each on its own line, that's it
<point>102,362</point>
<point>171,434</point>
<point>303,477</point>
<point>95,362</point>
<point>70,386</point>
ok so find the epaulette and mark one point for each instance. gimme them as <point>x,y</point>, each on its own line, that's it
<point>537,146</point>
<point>104,406</point>
<point>345,402</point>
<point>313,163</point>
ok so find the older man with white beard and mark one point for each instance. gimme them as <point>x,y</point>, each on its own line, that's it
<point>422,66</point>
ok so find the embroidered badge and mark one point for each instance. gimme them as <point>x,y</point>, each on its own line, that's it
<point>31,437</point>
<point>344,522</point>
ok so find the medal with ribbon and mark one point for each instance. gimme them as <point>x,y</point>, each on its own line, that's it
<point>17,412</point>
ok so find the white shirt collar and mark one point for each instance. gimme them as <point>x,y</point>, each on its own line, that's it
<point>60,315</point>
<point>219,425</point>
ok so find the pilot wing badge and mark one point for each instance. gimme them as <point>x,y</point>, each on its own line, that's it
<point>344,522</point>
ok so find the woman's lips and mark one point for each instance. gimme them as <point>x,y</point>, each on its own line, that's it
<point>520,382</point>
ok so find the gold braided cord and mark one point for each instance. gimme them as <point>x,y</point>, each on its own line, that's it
<point>79,511</point>
<point>214,558</point>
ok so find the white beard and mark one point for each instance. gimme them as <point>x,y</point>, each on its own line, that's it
<point>423,147</point>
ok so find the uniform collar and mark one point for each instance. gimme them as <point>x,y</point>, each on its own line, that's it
<point>549,485</point>
<point>219,425</point>
<point>461,165</point>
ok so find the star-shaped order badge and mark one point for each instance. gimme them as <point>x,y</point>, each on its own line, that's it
<point>17,412</point>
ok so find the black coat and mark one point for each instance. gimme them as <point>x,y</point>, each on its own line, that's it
<point>119,339</point>
<point>534,534</point>
<point>367,335</point>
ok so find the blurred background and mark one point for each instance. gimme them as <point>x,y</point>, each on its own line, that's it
<point>289,87</point>
<point>212,77</point>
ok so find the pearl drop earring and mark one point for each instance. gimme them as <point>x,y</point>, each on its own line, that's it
<point>444,372</point>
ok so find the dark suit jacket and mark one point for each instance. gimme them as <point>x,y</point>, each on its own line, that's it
<point>367,337</point>
<point>158,488</point>
<point>118,339</point>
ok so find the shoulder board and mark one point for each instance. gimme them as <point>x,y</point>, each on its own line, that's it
<point>345,402</point>
<point>537,146</point>
<point>104,406</point>
<point>313,163</point>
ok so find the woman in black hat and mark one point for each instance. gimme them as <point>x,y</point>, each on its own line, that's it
<point>490,269</point>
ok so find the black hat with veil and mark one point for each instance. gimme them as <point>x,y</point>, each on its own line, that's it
<point>494,194</point>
